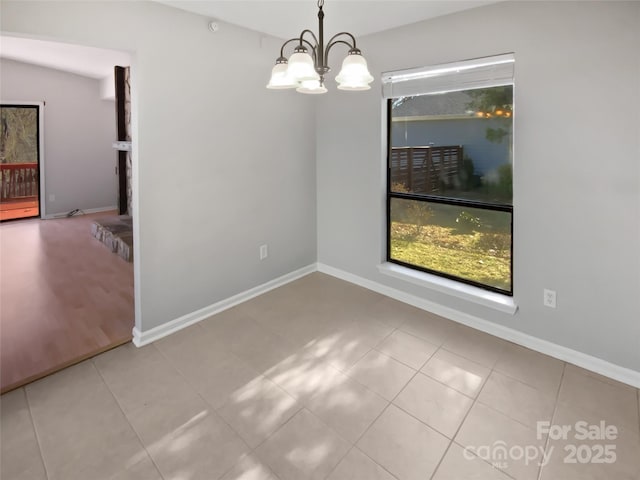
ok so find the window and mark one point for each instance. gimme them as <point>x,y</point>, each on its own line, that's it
<point>449,170</point>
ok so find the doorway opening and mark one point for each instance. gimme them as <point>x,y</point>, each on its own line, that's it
<point>65,297</point>
<point>20,160</point>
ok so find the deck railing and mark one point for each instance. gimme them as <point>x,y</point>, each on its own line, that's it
<point>18,181</point>
<point>425,169</point>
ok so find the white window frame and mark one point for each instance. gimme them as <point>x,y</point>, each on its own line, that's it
<point>476,73</point>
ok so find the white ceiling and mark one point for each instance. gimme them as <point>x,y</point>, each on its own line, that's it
<point>287,18</point>
<point>280,18</point>
<point>86,61</point>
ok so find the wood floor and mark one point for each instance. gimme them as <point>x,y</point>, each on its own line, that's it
<point>64,297</point>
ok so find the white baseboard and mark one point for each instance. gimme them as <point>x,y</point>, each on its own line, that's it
<point>594,364</point>
<point>85,211</point>
<point>143,338</point>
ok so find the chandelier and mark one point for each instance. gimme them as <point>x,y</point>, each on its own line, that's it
<point>305,71</point>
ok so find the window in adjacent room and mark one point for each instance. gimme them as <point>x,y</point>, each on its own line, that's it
<point>450,164</point>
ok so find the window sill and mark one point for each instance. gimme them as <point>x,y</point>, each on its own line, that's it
<point>497,301</point>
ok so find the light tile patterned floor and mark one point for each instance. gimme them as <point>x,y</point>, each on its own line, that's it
<point>319,379</point>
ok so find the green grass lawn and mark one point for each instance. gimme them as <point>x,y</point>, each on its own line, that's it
<point>476,256</point>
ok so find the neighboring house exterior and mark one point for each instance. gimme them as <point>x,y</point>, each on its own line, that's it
<point>449,119</point>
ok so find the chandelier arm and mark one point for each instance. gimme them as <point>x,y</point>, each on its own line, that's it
<point>333,39</point>
<point>313,35</point>
<point>331,44</point>
<point>297,39</point>
<point>287,43</point>
<point>313,48</point>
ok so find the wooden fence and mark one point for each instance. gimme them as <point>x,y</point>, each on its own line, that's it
<point>425,169</point>
<point>18,181</point>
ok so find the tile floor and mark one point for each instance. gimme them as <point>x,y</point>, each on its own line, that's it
<point>319,379</point>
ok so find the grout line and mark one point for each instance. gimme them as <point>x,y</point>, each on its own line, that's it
<point>475,401</point>
<point>343,372</point>
<point>449,386</point>
<point>415,372</point>
<point>250,450</point>
<point>492,370</point>
<point>351,447</point>
<point>473,360</point>
<point>390,402</point>
<point>553,417</point>
<point>248,454</point>
<point>431,341</point>
<point>519,380</point>
<point>302,404</point>
<point>341,459</point>
<point>406,364</point>
<point>464,419</point>
<point>35,432</point>
<point>133,429</point>
<point>399,327</point>
<point>287,422</point>
<point>355,447</point>
<point>528,427</point>
<point>302,407</point>
<point>555,411</point>
<point>204,400</point>
<point>355,444</point>
<point>638,399</point>
<point>299,403</point>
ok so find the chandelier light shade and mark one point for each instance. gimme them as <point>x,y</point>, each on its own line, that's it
<point>305,71</point>
<point>354,74</point>
<point>313,87</point>
<point>301,66</point>
<point>280,78</point>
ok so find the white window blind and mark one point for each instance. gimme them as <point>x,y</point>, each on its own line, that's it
<point>450,77</point>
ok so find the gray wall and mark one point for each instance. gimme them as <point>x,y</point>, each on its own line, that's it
<point>576,165</point>
<point>206,196</point>
<point>79,129</point>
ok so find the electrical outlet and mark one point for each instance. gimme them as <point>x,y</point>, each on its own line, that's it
<point>264,252</point>
<point>549,298</point>
<point>52,197</point>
